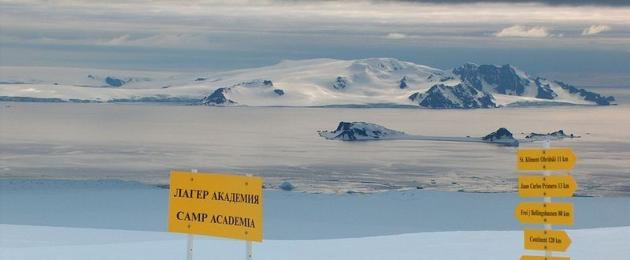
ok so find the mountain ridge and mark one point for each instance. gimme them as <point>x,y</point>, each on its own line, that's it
<point>314,82</point>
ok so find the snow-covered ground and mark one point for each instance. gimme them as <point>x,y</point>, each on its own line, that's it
<point>36,243</point>
<point>54,219</point>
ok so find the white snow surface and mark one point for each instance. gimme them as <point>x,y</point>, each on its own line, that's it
<point>390,223</point>
<point>39,242</point>
<point>305,83</point>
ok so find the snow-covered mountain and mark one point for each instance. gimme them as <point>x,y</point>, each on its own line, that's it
<point>508,80</point>
<point>314,82</point>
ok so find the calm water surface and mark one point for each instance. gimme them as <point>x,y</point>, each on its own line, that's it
<point>144,142</point>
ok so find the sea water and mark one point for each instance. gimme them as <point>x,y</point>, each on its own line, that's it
<point>143,142</point>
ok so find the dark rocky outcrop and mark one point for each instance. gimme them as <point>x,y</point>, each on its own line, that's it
<point>587,95</point>
<point>403,83</point>
<point>352,131</point>
<point>501,136</point>
<point>459,96</point>
<point>560,134</point>
<point>504,79</point>
<point>114,82</point>
<point>279,92</point>
<point>218,98</point>
<point>340,83</point>
<point>544,91</point>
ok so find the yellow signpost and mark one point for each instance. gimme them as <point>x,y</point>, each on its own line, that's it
<point>546,186</point>
<point>544,213</point>
<point>219,205</point>
<point>216,205</point>
<point>530,257</point>
<point>548,240</point>
<point>550,159</point>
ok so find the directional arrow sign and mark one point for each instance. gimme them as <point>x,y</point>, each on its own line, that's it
<point>531,257</point>
<point>548,240</point>
<point>546,186</point>
<point>545,159</point>
<point>544,213</point>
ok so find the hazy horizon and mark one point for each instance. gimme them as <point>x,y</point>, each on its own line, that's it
<point>586,43</point>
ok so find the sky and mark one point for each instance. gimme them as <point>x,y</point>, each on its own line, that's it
<point>582,42</point>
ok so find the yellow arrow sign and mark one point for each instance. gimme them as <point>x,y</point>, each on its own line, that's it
<point>548,240</point>
<point>531,257</point>
<point>546,186</point>
<point>545,159</point>
<point>544,213</point>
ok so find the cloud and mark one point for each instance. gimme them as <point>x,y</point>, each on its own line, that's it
<point>165,40</point>
<point>161,40</point>
<point>596,29</point>
<point>249,29</point>
<point>547,2</point>
<point>395,36</point>
<point>524,32</point>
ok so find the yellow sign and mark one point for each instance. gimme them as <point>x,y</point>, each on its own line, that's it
<point>548,240</point>
<point>544,213</point>
<point>546,186</point>
<point>545,159</point>
<point>530,257</point>
<point>216,205</point>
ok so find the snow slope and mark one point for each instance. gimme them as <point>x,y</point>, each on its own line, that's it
<point>314,82</point>
<point>83,77</point>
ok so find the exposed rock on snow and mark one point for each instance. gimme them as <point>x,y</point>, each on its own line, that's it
<point>340,83</point>
<point>286,186</point>
<point>279,92</point>
<point>557,135</point>
<point>403,82</point>
<point>260,88</point>
<point>458,96</point>
<point>544,90</point>
<point>255,83</point>
<point>587,95</point>
<point>362,131</point>
<point>114,82</point>
<point>353,131</point>
<point>501,136</point>
<point>504,80</point>
<point>218,98</point>
<point>508,80</point>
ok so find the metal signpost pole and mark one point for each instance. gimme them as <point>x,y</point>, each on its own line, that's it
<point>248,250</point>
<point>248,244</point>
<point>547,145</point>
<point>189,243</point>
